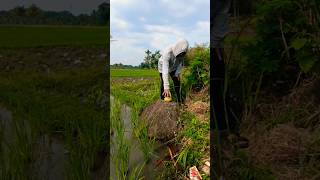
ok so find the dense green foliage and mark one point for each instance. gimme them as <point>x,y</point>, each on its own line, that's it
<point>196,73</point>
<point>286,41</point>
<point>269,58</point>
<point>150,61</point>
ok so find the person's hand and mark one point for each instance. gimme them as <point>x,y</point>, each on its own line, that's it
<point>166,93</point>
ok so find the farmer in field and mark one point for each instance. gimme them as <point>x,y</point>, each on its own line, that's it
<point>171,63</point>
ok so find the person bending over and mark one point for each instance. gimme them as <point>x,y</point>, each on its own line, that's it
<point>171,63</point>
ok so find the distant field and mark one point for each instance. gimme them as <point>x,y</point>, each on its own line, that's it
<point>35,36</point>
<point>133,73</point>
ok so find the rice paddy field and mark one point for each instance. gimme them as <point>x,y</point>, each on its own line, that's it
<point>53,102</point>
<point>138,89</point>
<point>46,36</point>
<point>133,73</point>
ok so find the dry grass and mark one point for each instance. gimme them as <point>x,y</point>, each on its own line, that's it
<point>281,131</point>
<point>199,109</point>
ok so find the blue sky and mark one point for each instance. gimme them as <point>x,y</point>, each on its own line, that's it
<point>138,25</point>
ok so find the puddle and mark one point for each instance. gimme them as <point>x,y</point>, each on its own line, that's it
<point>50,158</point>
<point>6,127</point>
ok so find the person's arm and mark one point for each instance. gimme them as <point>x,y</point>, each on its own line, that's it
<point>165,70</point>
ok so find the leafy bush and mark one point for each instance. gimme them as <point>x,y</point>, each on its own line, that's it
<point>197,68</point>
<point>287,40</point>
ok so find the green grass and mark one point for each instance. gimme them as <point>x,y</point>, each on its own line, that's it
<point>138,93</point>
<point>135,91</point>
<point>50,104</point>
<point>197,135</point>
<point>120,145</point>
<point>38,36</point>
<point>133,73</point>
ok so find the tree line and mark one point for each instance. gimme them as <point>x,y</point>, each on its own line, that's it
<point>122,66</point>
<point>33,15</point>
<point>150,61</point>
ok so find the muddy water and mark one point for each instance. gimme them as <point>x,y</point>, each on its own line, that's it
<point>50,156</point>
<point>136,156</point>
<point>6,125</point>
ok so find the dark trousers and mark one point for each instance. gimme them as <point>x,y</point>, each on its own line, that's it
<point>176,84</point>
<point>221,113</point>
<point>218,112</point>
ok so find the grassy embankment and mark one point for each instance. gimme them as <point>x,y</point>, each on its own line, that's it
<point>279,115</point>
<point>140,88</point>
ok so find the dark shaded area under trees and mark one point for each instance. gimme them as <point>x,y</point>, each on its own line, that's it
<point>33,15</point>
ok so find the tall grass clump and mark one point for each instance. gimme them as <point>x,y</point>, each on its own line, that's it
<point>119,144</point>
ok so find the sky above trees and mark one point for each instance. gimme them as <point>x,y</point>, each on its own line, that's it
<point>138,25</point>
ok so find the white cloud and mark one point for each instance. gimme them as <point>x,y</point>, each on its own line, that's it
<point>121,2</point>
<point>119,24</point>
<point>200,33</point>
<point>140,5</point>
<point>125,51</point>
<point>183,8</point>
<point>116,22</point>
<point>162,35</point>
<point>163,29</point>
<point>160,41</point>
<point>203,25</point>
<point>143,19</point>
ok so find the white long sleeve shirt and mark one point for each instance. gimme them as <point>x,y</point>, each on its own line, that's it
<point>168,61</point>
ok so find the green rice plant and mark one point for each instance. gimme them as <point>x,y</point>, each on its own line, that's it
<point>119,144</point>
<point>16,152</point>
<point>182,157</point>
<point>136,173</point>
<point>137,95</point>
<point>133,73</point>
<point>140,131</point>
